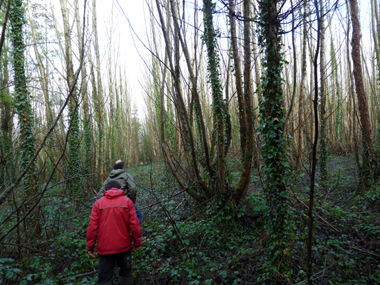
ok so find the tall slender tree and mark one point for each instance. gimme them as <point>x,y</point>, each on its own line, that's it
<point>84,94</point>
<point>99,95</point>
<point>323,119</point>
<point>73,133</point>
<point>301,102</point>
<point>6,168</point>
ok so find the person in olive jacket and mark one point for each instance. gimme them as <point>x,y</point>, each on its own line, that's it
<point>114,225</point>
<point>125,179</point>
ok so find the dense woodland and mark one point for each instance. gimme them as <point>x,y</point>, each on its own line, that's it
<point>257,159</point>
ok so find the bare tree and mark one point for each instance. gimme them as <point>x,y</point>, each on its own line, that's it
<point>360,92</point>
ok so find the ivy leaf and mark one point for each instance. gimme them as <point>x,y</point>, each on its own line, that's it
<point>9,275</point>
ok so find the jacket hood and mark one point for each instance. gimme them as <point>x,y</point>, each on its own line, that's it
<point>116,172</point>
<point>113,193</point>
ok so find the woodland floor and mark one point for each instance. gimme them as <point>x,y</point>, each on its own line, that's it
<point>205,244</point>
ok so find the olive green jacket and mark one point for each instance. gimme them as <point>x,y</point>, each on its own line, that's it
<point>126,181</point>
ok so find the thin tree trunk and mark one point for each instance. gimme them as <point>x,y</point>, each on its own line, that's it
<point>73,136</point>
<point>100,96</point>
<point>180,105</point>
<point>323,131</point>
<point>301,102</point>
<point>195,95</point>
<point>314,153</point>
<point>41,69</point>
<point>7,168</point>
<point>310,104</point>
<point>257,60</point>
<point>87,122</point>
<point>238,78</point>
<point>289,114</point>
<point>243,184</point>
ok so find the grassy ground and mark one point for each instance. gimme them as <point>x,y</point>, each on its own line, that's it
<point>210,244</point>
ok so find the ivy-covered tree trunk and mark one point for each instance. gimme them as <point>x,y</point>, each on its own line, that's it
<point>272,118</point>
<point>219,108</point>
<point>74,134</point>
<point>22,102</point>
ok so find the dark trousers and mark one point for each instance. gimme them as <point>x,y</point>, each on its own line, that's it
<point>107,265</point>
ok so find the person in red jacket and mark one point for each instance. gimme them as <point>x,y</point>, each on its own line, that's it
<point>113,221</point>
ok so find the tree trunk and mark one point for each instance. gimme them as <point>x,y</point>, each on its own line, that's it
<point>301,103</point>
<point>360,92</point>
<point>323,131</point>
<point>7,167</point>
<point>100,96</point>
<point>73,132</point>
<point>376,34</point>
<point>272,128</point>
<point>243,184</point>
<point>41,69</point>
<point>86,120</point>
<point>184,125</point>
<point>219,108</point>
<point>195,95</point>
<point>22,101</point>
<point>238,77</point>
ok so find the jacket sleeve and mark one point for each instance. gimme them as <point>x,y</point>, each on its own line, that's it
<point>93,227</point>
<point>130,187</point>
<point>134,226</point>
<point>131,194</point>
<point>102,190</point>
<point>139,214</point>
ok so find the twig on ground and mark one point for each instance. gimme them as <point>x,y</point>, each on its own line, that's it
<point>326,222</point>
<point>81,275</point>
<point>332,187</point>
<point>180,204</point>
<point>20,245</point>
<point>315,275</point>
<point>370,253</point>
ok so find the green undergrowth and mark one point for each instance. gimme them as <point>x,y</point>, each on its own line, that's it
<point>57,250</point>
<point>214,245</point>
<point>211,243</point>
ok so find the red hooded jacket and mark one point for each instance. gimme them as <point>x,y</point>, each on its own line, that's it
<point>113,218</point>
